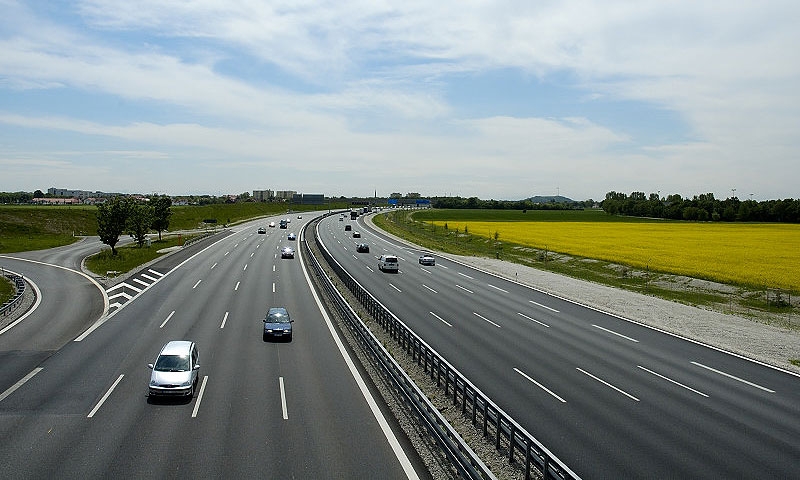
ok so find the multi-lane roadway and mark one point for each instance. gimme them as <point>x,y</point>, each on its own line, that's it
<point>611,398</point>
<point>73,383</point>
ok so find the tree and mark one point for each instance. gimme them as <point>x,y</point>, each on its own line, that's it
<point>112,217</point>
<point>161,213</point>
<point>140,217</point>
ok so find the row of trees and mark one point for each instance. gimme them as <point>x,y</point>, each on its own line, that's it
<point>702,208</point>
<point>475,202</point>
<point>127,215</point>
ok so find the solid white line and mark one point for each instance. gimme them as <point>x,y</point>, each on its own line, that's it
<point>283,399</point>
<point>34,307</point>
<point>394,443</point>
<point>486,319</point>
<point>465,275</point>
<point>615,333</point>
<point>237,286</point>
<point>196,284</point>
<point>105,397</point>
<point>14,387</point>
<point>733,377</point>
<point>497,288</point>
<point>543,306</point>
<point>152,279</point>
<point>465,289</point>
<point>533,319</point>
<point>224,319</point>
<point>539,385</point>
<point>126,296</point>
<point>672,381</point>
<point>395,288</point>
<point>154,272</point>
<point>167,320</point>
<point>442,319</point>
<point>199,397</point>
<point>429,288</point>
<point>141,282</point>
<point>607,384</point>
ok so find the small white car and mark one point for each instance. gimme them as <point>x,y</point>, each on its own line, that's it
<point>388,263</point>
<point>427,260</point>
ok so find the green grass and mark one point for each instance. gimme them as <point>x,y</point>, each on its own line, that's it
<point>37,227</point>
<point>130,256</point>
<point>410,225</point>
<point>7,289</point>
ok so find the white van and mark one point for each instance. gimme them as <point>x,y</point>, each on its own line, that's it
<point>388,263</point>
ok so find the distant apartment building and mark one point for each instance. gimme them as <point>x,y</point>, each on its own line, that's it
<point>263,195</point>
<point>64,192</point>
<point>284,195</point>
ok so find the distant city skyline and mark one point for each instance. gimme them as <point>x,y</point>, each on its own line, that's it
<point>504,100</point>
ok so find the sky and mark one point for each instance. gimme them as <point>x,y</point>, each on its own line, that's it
<point>492,99</point>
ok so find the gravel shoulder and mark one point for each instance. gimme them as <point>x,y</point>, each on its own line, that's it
<point>765,343</point>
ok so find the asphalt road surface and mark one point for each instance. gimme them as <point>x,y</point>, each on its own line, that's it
<point>611,398</point>
<point>73,391</point>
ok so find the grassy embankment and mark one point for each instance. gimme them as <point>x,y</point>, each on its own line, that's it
<point>24,228</point>
<point>752,262</point>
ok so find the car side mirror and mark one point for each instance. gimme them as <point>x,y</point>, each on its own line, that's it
<point>265,320</point>
<point>197,366</point>
<point>150,366</point>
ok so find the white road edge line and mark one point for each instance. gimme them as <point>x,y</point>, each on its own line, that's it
<point>615,333</point>
<point>20,383</point>
<point>394,443</point>
<point>539,385</point>
<point>442,319</point>
<point>733,377</point>
<point>199,397</point>
<point>283,399</point>
<point>35,305</point>
<point>105,397</point>
<point>167,320</point>
<point>672,381</point>
<point>607,384</point>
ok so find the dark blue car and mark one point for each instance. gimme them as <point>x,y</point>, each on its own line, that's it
<point>277,324</point>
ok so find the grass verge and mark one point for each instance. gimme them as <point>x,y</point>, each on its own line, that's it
<point>130,256</point>
<point>7,289</point>
<point>774,307</point>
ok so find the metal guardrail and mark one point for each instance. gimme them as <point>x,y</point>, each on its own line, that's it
<point>461,456</point>
<point>509,435</point>
<point>11,305</point>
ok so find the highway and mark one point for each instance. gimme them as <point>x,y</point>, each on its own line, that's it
<point>611,398</point>
<point>73,391</point>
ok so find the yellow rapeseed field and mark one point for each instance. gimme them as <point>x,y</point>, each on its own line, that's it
<point>761,255</point>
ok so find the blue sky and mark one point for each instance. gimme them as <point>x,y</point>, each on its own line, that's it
<point>497,99</point>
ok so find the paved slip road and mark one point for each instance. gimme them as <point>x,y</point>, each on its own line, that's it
<point>262,409</point>
<point>611,398</point>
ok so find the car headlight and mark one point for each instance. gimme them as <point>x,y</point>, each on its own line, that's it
<point>269,330</point>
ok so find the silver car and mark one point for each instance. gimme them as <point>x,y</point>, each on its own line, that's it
<point>175,370</point>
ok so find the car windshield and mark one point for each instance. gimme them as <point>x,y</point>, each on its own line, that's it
<point>278,318</point>
<point>172,363</point>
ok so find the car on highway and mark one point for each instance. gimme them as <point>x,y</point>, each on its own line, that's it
<point>271,224</point>
<point>175,371</point>
<point>287,252</point>
<point>348,227</point>
<point>388,263</point>
<point>427,260</point>
<point>262,230</point>
<point>299,217</point>
<point>341,219</point>
<point>277,324</point>
<point>291,236</point>
<point>362,248</point>
<point>356,234</point>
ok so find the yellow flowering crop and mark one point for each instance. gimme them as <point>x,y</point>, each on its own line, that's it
<point>761,255</point>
